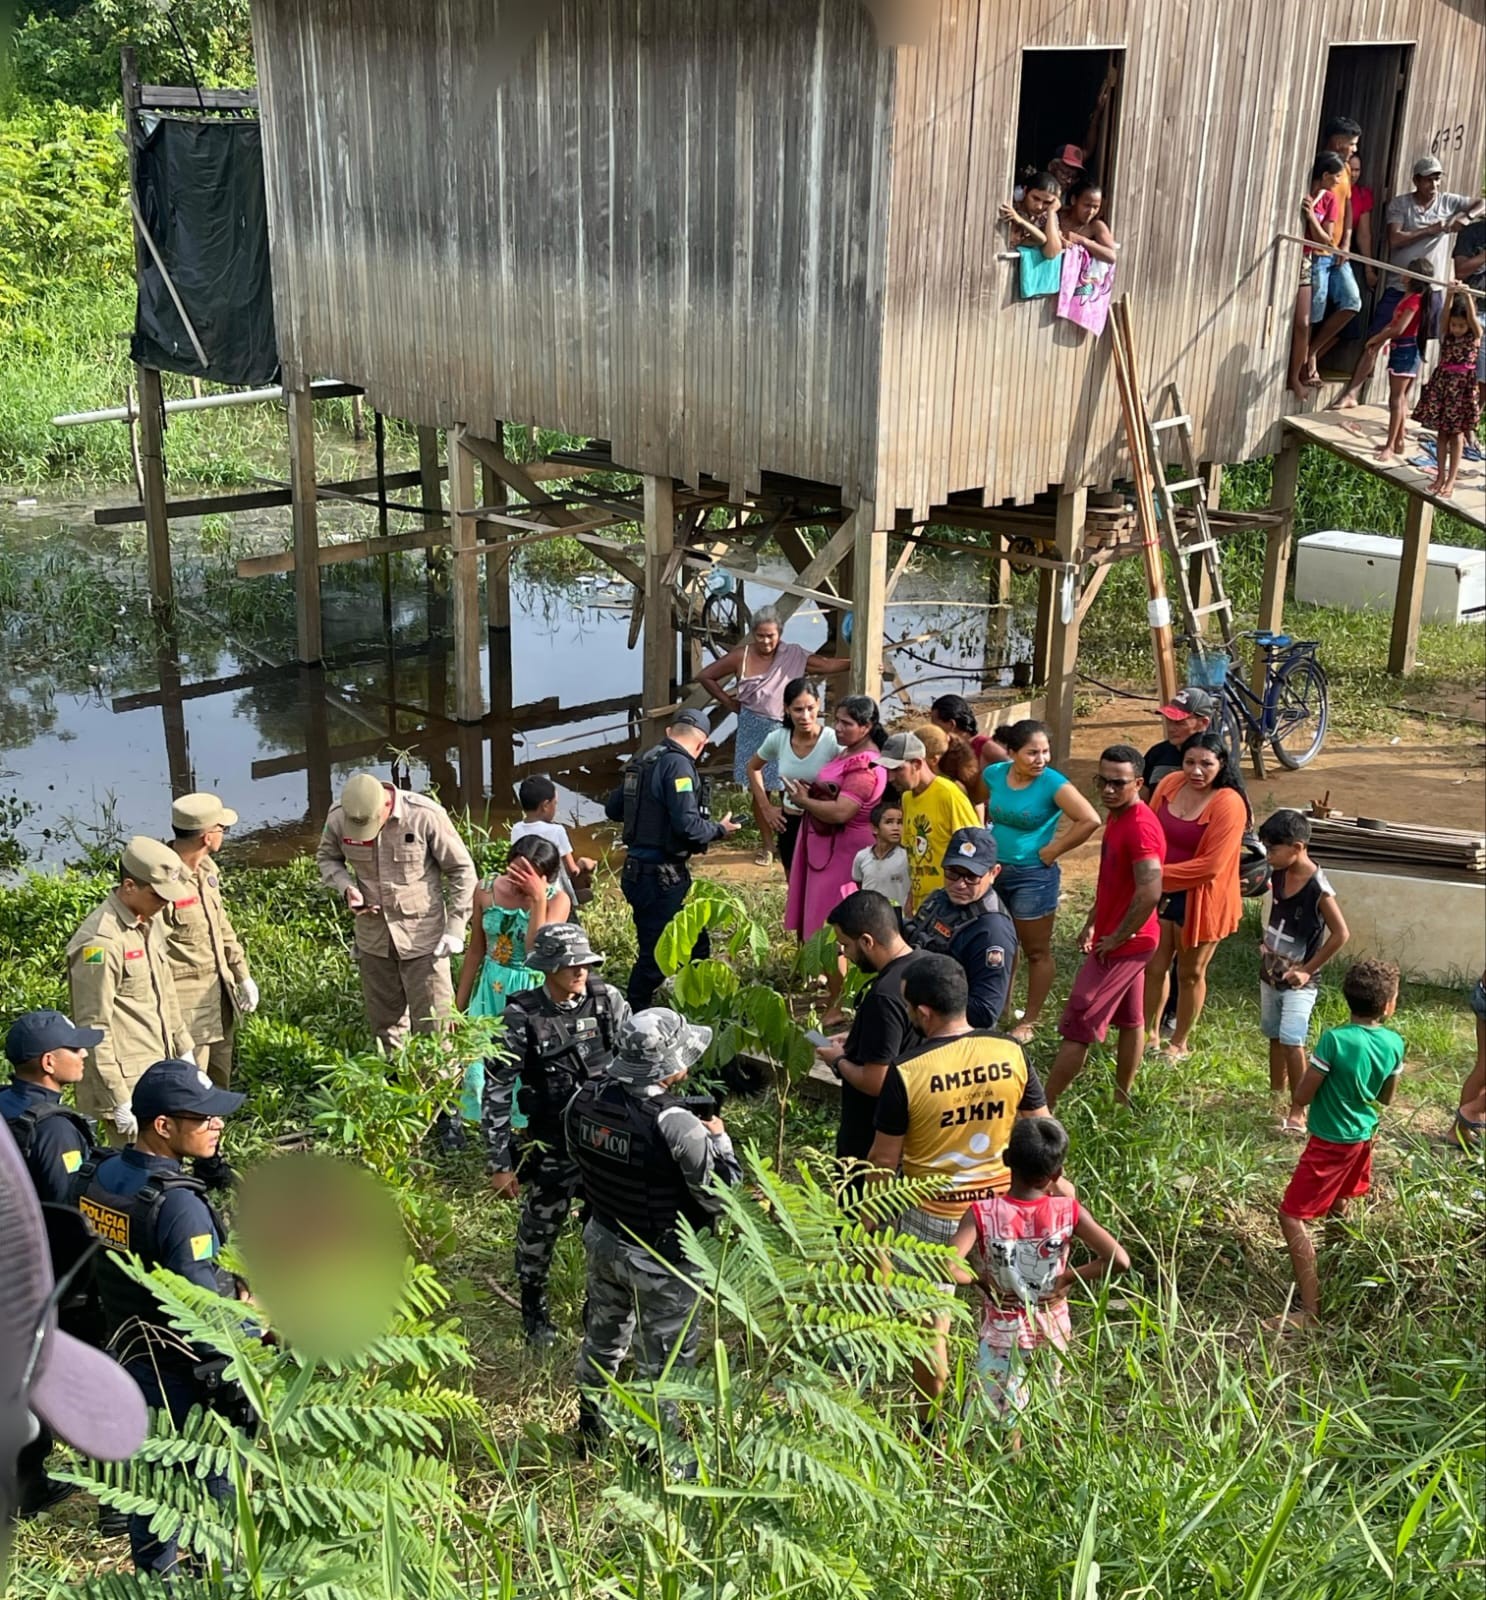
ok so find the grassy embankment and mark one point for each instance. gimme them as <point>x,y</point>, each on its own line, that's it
<point>1183,1453</point>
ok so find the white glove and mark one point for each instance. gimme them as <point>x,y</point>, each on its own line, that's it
<point>448,945</point>
<point>247,997</point>
<point>354,898</point>
<point>124,1120</point>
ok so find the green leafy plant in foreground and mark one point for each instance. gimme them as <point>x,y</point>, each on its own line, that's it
<point>343,1492</point>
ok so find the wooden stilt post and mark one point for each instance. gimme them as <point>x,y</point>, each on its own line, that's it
<point>1068,536</point>
<point>1042,636</point>
<point>151,449</point>
<point>1413,567</point>
<point>660,635</point>
<point>998,616</point>
<point>502,702</point>
<point>316,741</point>
<point>305,513</point>
<point>430,488</point>
<point>497,564</point>
<point>464,581</point>
<point>172,711</point>
<point>1277,547</point>
<point>868,601</point>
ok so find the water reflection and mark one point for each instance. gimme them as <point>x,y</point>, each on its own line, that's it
<point>101,722</point>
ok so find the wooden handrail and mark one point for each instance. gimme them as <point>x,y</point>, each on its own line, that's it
<point>1383,266</point>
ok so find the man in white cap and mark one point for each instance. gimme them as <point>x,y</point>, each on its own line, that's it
<point>121,982</point>
<point>50,1383</point>
<point>646,1161</point>
<point>933,808</point>
<point>403,870</point>
<point>212,982</point>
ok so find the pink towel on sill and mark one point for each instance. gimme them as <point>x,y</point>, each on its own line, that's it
<point>1083,295</point>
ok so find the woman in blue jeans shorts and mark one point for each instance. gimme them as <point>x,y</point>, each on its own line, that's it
<point>1028,799</point>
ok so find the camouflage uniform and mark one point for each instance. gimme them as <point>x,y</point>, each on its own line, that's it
<point>416,881</point>
<point>646,1161</point>
<point>554,1046</point>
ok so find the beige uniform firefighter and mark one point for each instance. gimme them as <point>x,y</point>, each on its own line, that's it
<point>403,870</point>
<point>121,982</point>
<point>212,982</point>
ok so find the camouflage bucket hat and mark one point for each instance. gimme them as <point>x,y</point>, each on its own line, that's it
<point>656,1044</point>
<point>562,944</point>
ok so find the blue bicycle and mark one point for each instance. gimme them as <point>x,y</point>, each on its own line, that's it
<point>1292,713</point>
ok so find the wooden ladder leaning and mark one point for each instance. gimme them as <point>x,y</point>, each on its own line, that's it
<point>1186,532</point>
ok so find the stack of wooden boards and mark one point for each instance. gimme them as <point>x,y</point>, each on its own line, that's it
<point>1410,849</point>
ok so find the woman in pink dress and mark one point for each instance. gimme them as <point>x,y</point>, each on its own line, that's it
<point>838,823</point>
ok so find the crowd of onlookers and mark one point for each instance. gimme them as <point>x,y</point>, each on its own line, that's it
<point>1434,239</point>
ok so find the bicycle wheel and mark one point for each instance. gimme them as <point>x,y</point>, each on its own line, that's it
<point>1302,705</point>
<point>1230,729</point>
<point>724,621</point>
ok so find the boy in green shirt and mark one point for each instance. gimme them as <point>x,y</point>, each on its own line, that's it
<point>1353,1071</point>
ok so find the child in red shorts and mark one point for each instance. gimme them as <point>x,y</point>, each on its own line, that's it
<point>1353,1071</point>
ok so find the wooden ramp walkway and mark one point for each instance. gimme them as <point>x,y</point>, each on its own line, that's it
<point>1356,435</point>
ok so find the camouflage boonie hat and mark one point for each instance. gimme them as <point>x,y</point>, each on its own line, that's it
<point>656,1044</point>
<point>562,944</point>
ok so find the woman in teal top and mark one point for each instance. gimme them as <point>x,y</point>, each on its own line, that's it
<point>509,911</point>
<point>1028,799</point>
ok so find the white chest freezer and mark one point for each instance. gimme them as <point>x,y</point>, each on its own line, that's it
<point>1359,571</point>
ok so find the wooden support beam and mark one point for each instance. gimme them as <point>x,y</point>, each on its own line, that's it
<point>152,476</point>
<point>498,564</point>
<point>868,599</point>
<point>335,555</point>
<point>822,564</point>
<point>208,505</point>
<point>1063,621</point>
<point>488,453</point>
<point>1278,545</point>
<point>615,555</point>
<point>795,549</point>
<point>822,597</point>
<point>464,580</point>
<point>1413,567</point>
<point>660,636</point>
<point>173,97</point>
<point>305,514</point>
<point>1092,585</point>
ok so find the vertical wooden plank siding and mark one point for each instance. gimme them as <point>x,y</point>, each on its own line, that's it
<point>737,236</point>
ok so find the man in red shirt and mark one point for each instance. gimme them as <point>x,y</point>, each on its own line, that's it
<point>1120,932</point>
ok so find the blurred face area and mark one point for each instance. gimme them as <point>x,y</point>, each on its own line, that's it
<point>692,740</point>
<point>849,734</point>
<point>1201,767</point>
<point>1281,856</point>
<point>1354,166</point>
<point>1063,172</point>
<point>1088,206</point>
<point>913,777</point>
<point>766,638</point>
<point>188,1135</point>
<point>964,887</point>
<point>1345,145</point>
<point>214,839</point>
<point>1033,757</point>
<point>63,1066</point>
<point>890,828</point>
<point>567,983</point>
<point>1116,784</point>
<point>1329,180</point>
<point>804,713</point>
<point>1426,186</point>
<point>1039,202</point>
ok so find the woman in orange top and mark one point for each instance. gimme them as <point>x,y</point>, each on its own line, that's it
<point>1203,811</point>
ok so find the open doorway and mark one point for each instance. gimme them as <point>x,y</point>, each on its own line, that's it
<point>1369,84</point>
<point>1070,97</point>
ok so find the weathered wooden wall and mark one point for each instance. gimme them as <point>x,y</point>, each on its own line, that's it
<point>656,224</point>
<point>733,236</point>
<point>1220,106</point>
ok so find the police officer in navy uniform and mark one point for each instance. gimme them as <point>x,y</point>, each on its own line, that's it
<point>967,919</point>
<point>559,1036</point>
<point>46,1050</point>
<point>647,1160</point>
<point>663,806</point>
<point>143,1202</point>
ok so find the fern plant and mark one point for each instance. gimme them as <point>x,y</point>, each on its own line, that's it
<point>343,1492</point>
<point>771,1468</point>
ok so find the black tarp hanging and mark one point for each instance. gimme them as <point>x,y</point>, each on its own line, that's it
<point>200,188</point>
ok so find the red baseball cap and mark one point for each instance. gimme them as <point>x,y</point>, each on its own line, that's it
<point>1071,155</point>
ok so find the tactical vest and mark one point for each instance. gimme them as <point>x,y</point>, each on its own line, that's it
<point>639,786</point>
<point>130,1224</point>
<point>24,1126</point>
<point>939,921</point>
<point>630,1177</point>
<point>565,1049</point>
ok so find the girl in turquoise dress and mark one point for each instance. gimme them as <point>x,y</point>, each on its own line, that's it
<point>509,911</point>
